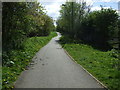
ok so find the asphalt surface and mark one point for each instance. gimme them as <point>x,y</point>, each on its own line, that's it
<point>51,67</point>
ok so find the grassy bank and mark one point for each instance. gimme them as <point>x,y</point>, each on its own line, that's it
<point>101,64</point>
<point>0,77</point>
<point>17,60</point>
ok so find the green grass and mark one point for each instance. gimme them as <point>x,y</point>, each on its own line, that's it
<point>102,65</point>
<point>17,60</point>
<point>0,77</point>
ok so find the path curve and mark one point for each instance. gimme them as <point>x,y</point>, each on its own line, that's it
<point>51,67</point>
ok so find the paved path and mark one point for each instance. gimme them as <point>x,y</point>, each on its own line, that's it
<point>52,68</point>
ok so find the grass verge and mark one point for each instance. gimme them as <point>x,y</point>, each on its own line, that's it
<point>101,64</point>
<point>0,77</point>
<point>17,60</point>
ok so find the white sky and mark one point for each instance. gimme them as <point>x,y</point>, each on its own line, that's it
<point>53,6</point>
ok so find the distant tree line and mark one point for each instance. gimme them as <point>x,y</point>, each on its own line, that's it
<point>99,28</point>
<point>21,20</point>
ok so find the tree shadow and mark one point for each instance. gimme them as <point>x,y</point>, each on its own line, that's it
<point>69,40</point>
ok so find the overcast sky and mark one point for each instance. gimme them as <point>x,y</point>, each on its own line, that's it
<point>53,6</point>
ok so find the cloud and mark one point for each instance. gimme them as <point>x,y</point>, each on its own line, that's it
<point>98,8</point>
<point>51,1</point>
<point>110,0</point>
<point>89,2</point>
<point>52,8</point>
<point>106,0</point>
<point>95,8</point>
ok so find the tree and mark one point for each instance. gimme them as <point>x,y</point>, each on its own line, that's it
<point>71,16</point>
<point>22,20</point>
<point>98,28</point>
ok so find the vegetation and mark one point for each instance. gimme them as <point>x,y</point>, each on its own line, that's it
<point>25,29</point>
<point>98,28</point>
<point>0,77</point>
<point>22,20</point>
<point>104,65</point>
<point>17,60</point>
<point>92,39</point>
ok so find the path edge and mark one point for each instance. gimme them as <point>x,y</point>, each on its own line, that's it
<point>86,70</point>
